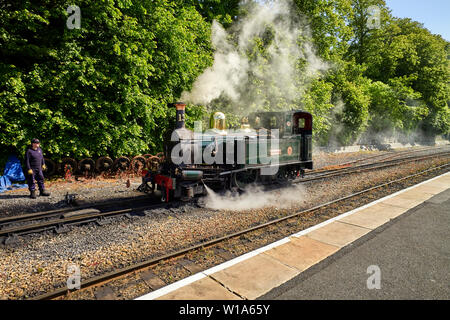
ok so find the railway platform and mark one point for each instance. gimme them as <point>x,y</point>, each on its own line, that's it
<point>394,248</point>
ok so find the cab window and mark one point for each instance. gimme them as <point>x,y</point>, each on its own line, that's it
<point>301,123</point>
<point>273,122</point>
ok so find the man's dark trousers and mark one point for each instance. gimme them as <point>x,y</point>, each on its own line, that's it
<point>39,176</point>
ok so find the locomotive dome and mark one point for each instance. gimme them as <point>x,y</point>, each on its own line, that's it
<point>218,122</point>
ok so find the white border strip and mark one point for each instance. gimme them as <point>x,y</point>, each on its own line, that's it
<point>172,287</point>
<point>184,282</point>
<point>246,256</point>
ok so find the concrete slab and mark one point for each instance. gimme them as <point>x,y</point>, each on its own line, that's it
<point>415,194</point>
<point>256,276</point>
<point>431,189</point>
<point>338,233</point>
<point>374,216</point>
<point>445,178</point>
<point>386,210</point>
<point>404,202</point>
<point>440,183</point>
<point>203,289</point>
<point>301,253</point>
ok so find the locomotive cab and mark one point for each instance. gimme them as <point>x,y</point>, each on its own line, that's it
<point>295,133</point>
<point>302,125</point>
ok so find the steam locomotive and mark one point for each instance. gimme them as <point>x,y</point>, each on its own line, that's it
<point>268,147</point>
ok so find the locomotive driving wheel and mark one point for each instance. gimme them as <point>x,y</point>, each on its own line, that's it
<point>244,178</point>
<point>283,176</point>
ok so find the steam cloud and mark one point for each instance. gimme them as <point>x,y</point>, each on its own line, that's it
<point>255,197</point>
<point>245,79</point>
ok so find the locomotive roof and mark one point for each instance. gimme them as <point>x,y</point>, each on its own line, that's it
<point>280,112</point>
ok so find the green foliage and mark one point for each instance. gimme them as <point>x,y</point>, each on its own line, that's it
<point>329,25</point>
<point>414,63</point>
<point>223,11</point>
<point>391,78</point>
<point>102,89</point>
<point>355,113</point>
<point>318,101</point>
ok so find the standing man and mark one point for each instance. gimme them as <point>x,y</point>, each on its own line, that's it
<point>34,161</point>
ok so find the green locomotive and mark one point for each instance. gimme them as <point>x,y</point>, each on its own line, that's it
<point>268,147</point>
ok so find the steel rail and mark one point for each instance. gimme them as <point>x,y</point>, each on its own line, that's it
<point>370,166</point>
<point>389,155</point>
<point>393,153</point>
<point>84,218</point>
<point>148,263</point>
<point>78,219</point>
<point>49,213</point>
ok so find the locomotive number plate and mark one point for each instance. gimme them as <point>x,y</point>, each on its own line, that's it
<point>289,150</point>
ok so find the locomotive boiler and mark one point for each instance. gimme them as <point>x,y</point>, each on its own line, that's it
<point>269,147</point>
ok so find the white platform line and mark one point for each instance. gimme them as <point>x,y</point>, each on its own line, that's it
<point>172,287</point>
<point>184,282</point>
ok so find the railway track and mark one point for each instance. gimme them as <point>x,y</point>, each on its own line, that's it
<point>367,167</point>
<point>62,220</point>
<point>384,157</point>
<point>144,265</point>
<point>35,215</point>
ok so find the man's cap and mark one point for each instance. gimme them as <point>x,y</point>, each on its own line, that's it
<point>35,140</point>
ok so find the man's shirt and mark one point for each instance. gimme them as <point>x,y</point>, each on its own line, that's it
<point>34,158</point>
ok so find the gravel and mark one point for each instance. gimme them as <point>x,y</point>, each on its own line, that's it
<point>16,202</point>
<point>324,159</point>
<point>38,263</point>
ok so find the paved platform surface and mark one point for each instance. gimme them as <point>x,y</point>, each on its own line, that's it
<point>406,235</point>
<point>412,253</point>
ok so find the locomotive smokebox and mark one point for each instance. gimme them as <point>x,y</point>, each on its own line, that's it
<point>181,109</point>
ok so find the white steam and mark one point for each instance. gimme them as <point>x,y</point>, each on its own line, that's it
<point>228,71</point>
<point>244,75</point>
<point>255,197</point>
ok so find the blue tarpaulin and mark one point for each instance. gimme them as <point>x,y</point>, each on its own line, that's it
<point>5,183</point>
<point>13,173</point>
<point>13,169</point>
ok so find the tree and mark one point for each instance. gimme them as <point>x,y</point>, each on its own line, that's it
<point>223,11</point>
<point>328,23</point>
<point>414,63</point>
<point>101,89</point>
<point>365,30</point>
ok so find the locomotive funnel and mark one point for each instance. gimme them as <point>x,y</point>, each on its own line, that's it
<point>181,108</point>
